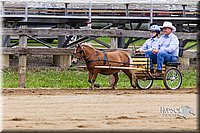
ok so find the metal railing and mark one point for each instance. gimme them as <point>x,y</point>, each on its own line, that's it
<point>90,11</point>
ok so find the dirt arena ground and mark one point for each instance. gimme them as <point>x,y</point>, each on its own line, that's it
<point>68,109</point>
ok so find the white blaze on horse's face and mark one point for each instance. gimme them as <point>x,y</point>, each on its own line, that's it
<point>74,60</point>
<point>75,50</point>
<point>78,53</point>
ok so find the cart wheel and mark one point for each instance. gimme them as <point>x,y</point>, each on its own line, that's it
<point>172,79</point>
<point>144,84</point>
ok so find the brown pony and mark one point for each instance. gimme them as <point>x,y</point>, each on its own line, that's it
<point>94,57</point>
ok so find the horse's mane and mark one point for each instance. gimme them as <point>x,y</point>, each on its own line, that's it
<point>87,45</point>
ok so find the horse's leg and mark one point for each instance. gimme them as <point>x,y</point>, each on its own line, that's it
<point>131,76</point>
<point>95,73</point>
<point>90,75</point>
<point>116,80</point>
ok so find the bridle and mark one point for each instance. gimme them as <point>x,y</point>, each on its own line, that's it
<point>82,52</point>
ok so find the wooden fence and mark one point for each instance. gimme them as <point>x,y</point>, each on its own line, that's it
<point>89,32</point>
<point>63,56</point>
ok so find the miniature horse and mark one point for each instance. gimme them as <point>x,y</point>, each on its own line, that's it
<point>94,57</point>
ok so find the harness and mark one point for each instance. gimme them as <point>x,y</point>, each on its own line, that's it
<point>105,57</point>
<point>89,61</point>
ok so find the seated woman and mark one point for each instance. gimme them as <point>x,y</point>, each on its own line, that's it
<point>151,43</point>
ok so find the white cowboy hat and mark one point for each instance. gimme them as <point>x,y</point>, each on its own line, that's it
<point>169,25</point>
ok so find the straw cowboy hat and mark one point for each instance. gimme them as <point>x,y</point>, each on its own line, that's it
<point>169,25</point>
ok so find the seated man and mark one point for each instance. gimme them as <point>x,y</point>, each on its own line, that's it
<point>152,41</point>
<point>166,50</point>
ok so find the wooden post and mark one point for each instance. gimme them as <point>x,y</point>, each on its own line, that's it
<point>184,15</point>
<point>62,60</point>
<point>67,60</point>
<point>5,60</point>
<point>2,8</point>
<point>66,9</point>
<point>198,58</point>
<point>61,38</point>
<point>127,10</point>
<point>26,10</point>
<point>121,42</point>
<point>185,60</point>
<point>113,44</point>
<point>111,80</point>
<point>22,61</point>
<point>114,40</point>
<point>151,11</point>
<point>5,40</point>
<point>89,25</point>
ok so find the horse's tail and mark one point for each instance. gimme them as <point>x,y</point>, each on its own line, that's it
<point>128,55</point>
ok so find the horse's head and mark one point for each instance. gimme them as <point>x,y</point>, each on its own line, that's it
<point>78,54</point>
<point>83,51</point>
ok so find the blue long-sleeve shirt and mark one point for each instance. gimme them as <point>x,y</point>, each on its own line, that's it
<point>169,43</point>
<point>149,44</point>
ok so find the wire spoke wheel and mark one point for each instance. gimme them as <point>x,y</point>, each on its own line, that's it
<point>172,79</point>
<point>144,84</point>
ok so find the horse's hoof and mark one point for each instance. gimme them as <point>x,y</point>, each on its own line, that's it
<point>97,85</point>
<point>134,88</point>
<point>91,88</point>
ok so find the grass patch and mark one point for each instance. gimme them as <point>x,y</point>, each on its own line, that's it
<point>78,79</point>
<point>190,43</point>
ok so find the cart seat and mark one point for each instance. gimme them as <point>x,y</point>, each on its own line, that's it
<point>173,63</point>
